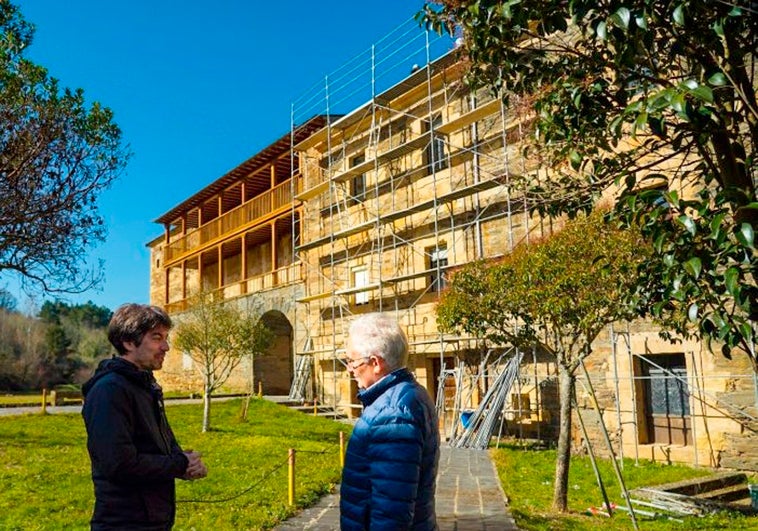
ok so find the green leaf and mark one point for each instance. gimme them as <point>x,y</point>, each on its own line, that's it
<point>692,312</point>
<point>718,79</point>
<point>679,15</point>
<point>693,266</point>
<point>745,235</point>
<point>602,30</point>
<point>640,122</point>
<point>703,93</point>
<point>575,158</point>
<point>688,223</point>
<point>747,332</point>
<point>677,102</point>
<point>621,18</point>
<point>718,28</point>
<point>672,198</point>
<point>731,280</point>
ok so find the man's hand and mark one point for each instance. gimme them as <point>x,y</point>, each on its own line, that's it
<point>196,468</point>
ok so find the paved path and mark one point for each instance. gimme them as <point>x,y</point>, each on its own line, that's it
<point>469,498</point>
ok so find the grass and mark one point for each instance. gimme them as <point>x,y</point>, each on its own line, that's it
<point>527,480</point>
<point>34,399</point>
<point>45,474</point>
<point>46,484</point>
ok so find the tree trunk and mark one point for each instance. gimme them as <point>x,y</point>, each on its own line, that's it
<point>566,381</point>
<point>206,408</point>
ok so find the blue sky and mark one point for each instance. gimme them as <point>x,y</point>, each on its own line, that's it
<point>197,88</point>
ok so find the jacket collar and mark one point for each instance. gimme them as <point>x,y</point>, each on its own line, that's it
<point>368,396</point>
<point>126,369</point>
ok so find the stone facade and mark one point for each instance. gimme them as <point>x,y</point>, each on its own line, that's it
<point>385,203</point>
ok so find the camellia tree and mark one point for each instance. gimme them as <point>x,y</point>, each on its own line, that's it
<point>218,335</point>
<point>655,100</point>
<point>57,153</point>
<point>559,294</point>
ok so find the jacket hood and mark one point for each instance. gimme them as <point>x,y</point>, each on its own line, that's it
<point>125,368</point>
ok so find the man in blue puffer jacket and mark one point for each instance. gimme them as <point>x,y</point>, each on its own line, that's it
<point>390,471</point>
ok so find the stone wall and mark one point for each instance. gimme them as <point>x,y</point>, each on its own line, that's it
<point>721,400</point>
<point>273,370</point>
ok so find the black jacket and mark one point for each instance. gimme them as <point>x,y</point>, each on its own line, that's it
<point>135,456</point>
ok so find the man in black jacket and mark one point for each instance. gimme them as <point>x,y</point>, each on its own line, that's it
<point>135,456</point>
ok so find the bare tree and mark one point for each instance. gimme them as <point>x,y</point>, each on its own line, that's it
<point>56,155</point>
<point>218,335</point>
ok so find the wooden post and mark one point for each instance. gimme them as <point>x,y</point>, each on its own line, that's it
<point>291,485</point>
<point>44,401</point>
<point>315,407</point>
<point>342,449</point>
<point>260,389</point>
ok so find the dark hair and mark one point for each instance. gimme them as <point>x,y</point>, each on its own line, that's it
<point>131,322</point>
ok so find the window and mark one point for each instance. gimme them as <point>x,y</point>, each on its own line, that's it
<point>358,182</point>
<point>666,399</point>
<point>360,279</point>
<point>186,361</point>
<point>435,156</point>
<point>437,264</point>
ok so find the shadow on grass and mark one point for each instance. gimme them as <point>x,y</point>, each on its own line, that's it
<point>536,521</point>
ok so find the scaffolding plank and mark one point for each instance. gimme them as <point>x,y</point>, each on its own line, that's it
<point>355,229</point>
<point>312,192</point>
<point>356,289</point>
<point>468,118</point>
<point>390,154</point>
<point>315,296</point>
<point>399,214</point>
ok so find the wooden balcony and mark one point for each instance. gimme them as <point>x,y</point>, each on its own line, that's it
<point>284,276</point>
<point>257,210</point>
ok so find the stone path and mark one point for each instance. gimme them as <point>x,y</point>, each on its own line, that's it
<point>469,498</point>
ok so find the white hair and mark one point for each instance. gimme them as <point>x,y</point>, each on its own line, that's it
<point>376,334</point>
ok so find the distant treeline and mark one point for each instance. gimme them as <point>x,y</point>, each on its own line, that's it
<point>60,345</point>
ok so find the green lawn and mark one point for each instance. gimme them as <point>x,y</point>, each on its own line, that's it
<point>23,400</point>
<point>46,483</point>
<point>527,479</point>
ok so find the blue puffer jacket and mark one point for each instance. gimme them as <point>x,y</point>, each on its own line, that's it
<point>391,462</point>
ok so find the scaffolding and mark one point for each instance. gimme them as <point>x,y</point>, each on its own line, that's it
<point>413,176</point>
<point>399,190</point>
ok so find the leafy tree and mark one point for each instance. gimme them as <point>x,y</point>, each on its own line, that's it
<point>559,294</point>
<point>217,336</point>
<point>75,339</point>
<point>56,155</point>
<point>59,364</point>
<point>656,100</point>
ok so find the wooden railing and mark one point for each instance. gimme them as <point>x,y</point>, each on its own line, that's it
<point>277,278</point>
<point>258,207</point>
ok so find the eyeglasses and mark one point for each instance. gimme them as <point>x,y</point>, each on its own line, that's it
<point>351,363</point>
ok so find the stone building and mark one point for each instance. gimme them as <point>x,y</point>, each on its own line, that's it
<point>235,238</point>
<point>369,211</point>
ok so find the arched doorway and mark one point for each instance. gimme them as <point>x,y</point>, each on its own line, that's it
<point>274,370</point>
